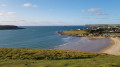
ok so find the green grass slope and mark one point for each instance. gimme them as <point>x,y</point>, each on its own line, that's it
<point>38,54</point>
<point>55,58</point>
<point>89,62</point>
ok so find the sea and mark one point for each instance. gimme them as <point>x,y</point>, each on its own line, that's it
<point>46,37</point>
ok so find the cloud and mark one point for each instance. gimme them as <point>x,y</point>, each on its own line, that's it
<point>90,10</point>
<point>94,12</point>
<point>1,13</point>
<point>100,14</point>
<point>29,5</point>
<point>3,5</point>
<point>11,13</point>
<point>102,18</point>
<point>12,20</point>
<point>94,9</point>
<point>97,14</point>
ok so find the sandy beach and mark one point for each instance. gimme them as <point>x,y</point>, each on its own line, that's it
<point>113,49</point>
<point>87,44</point>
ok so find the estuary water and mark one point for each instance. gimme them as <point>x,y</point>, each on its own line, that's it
<point>45,37</point>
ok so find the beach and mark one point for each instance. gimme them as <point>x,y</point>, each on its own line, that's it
<point>96,44</point>
<point>88,44</point>
<point>114,49</point>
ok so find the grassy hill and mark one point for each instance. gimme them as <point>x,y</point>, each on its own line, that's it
<point>55,58</point>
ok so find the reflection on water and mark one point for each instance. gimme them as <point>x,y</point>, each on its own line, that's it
<point>84,44</point>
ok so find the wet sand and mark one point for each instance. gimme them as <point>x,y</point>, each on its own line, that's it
<point>86,44</point>
<point>114,49</point>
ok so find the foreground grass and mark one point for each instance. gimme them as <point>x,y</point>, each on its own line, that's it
<point>38,54</point>
<point>55,58</point>
<point>91,62</point>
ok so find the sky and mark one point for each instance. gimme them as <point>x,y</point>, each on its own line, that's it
<point>59,12</point>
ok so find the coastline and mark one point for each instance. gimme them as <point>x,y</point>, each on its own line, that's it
<point>112,43</point>
<point>113,49</point>
<point>95,44</point>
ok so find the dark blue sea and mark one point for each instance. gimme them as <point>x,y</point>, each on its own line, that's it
<point>44,37</point>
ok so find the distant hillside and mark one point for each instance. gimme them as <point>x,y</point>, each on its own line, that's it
<point>9,27</point>
<point>96,25</point>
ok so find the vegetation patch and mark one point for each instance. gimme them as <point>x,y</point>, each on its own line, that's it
<point>75,32</point>
<point>55,58</point>
<point>38,54</point>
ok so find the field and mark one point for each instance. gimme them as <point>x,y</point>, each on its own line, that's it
<point>90,62</point>
<point>75,32</point>
<point>55,58</point>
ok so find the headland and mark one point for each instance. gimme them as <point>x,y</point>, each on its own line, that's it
<point>9,27</point>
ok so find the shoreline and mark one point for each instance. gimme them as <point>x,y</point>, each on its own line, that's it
<point>95,44</point>
<point>106,48</point>
<point>113,49</point>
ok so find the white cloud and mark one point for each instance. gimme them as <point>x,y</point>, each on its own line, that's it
<point>11,13</point>
<point>12,20</point>
<point>100,14</point>
<point>1,13</point>
<point>94,9</point>
<point>3,5</point>
<point>94,12</point>
<point>102,18</point>
<point>97,14</point>
<point>90,10</point>
<point>29,5</point>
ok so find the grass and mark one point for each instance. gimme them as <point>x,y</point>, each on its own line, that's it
<point>75,32</point>
<point>55,58</point>
<point>91,62</point>
<point>38,54</point>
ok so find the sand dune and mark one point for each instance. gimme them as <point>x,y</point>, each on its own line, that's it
<point>115,48</point>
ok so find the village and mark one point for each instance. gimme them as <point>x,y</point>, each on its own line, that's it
<point>105,30</point>
<point>95,31</point>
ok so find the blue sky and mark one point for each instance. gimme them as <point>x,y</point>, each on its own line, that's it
<point>59,12</point>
